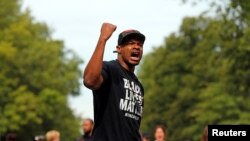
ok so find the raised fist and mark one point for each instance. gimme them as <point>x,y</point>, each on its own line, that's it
<point>107,30</point>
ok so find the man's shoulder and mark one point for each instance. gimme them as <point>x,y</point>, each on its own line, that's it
<point>110,64</point>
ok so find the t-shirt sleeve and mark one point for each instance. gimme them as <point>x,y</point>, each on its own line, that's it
<point>105,71</point>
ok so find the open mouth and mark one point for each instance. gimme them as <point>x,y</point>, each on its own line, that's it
<point>135,56</point>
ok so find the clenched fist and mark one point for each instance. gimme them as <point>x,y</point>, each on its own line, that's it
<point>107,30</point>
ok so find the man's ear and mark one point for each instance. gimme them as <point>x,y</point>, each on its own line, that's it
<point>118,49</point>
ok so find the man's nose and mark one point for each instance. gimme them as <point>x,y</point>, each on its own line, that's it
<point>137,46</point>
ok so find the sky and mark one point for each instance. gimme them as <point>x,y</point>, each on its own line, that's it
<point>78,23</point>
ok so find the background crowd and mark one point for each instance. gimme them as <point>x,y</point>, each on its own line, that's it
<point>160,134</point>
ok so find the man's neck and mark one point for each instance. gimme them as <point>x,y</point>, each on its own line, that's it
<point>126,66</point>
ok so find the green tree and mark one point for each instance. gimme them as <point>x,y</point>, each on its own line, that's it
<point>37,74</point>
<point>200,75</point>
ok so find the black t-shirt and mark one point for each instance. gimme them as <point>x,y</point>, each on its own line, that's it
<point>118,105</point>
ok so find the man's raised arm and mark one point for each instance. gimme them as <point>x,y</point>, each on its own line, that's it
<point>92,77</point>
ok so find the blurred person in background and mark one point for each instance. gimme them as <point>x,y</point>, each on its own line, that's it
<point>145,137</point>
<point>204,136</point>
<point>11,136</point>
<point>39,138</point>
<point>160,133</point>
<point>53,135</point>
<point>87,127</point>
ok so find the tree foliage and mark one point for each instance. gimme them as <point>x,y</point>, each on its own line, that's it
<point>200,75</point>
<point>36,75</point>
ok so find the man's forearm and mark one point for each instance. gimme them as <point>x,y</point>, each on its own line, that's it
<point>92,73</point>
